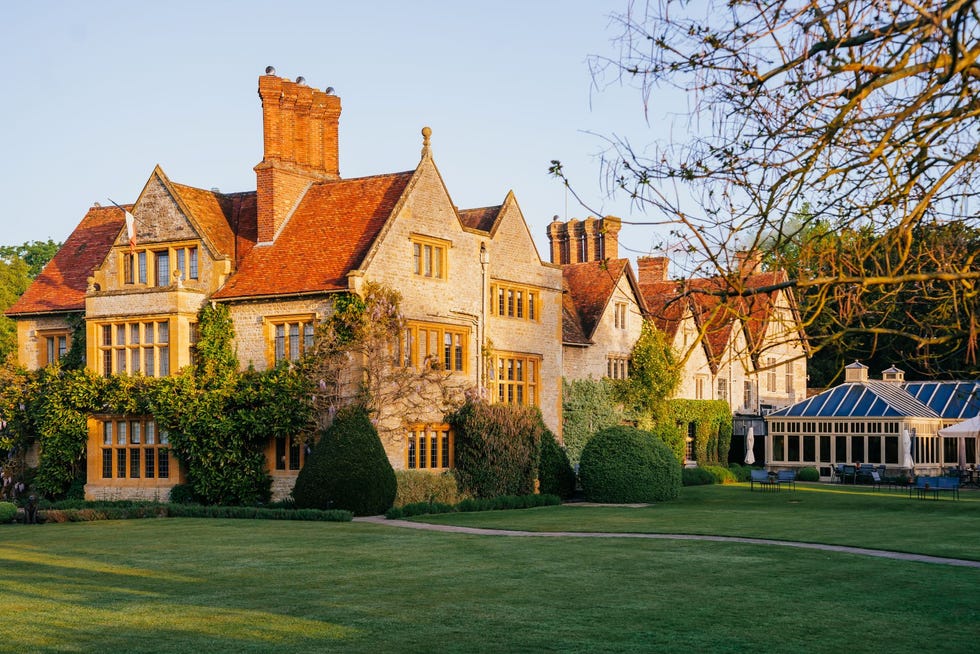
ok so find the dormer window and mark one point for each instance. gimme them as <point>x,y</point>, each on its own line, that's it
<point>157,267</point>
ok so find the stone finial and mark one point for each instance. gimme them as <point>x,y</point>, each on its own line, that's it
<point>426,134</point>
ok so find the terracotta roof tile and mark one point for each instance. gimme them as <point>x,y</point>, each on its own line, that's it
<point>481,219</point>
<point>590,285</point>
<point>62,284</point>
<point>325,238</point>
<point>571,325</point>
<point>214,214</point>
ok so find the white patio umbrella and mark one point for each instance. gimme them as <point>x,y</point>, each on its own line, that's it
<point>907,461</point>
<point>962,431</point>
<point>749,447</point>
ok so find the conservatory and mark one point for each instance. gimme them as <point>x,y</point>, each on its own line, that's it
<point>866,421</point>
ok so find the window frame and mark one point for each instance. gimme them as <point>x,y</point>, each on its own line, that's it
<point>137,269</point>
<point>134,448</point>
<point>305,324</point>
<point>54,345</point>
<point>413,351</point>
<point>515,301</point>
<point>419,440</point>
<point>430,257</point>
<point>147,353</point>
<point>523,382</point>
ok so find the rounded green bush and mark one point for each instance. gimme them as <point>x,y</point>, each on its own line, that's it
<point>348,469</point>
<point>555,474</point>
<point>721,474</point>
<point>696,477</point>
<point>808,473</point>
<point>8,511</point>
<point>625,464</point>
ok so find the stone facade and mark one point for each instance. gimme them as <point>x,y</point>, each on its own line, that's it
<point>279,256</point>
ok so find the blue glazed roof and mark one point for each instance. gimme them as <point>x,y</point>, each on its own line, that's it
<point>870,399</point>
<point>956,400</point>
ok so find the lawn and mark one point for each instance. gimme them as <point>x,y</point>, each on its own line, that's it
<point>183,585</point>
<point>817,513</point>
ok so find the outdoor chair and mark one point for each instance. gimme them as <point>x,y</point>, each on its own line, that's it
<point>762,478</point>
<point>875,480</point>
<point>949,485</point>
<point>787,477</point>
<point>848,471</point>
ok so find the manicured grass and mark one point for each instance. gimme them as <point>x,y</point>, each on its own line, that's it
<point>184,585</point>
<point>817,513</point>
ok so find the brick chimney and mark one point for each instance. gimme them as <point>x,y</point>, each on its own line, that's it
<point>592,239</point>
<point>748,261</point>
<point>300,129</point>
<point>652,269</point>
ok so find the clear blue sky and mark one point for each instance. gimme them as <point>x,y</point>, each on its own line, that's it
<point>98,92</point>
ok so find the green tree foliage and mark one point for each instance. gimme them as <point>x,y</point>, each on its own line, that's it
<point>217,364</point>
<point>14,280</point>
<point>555,474</point>
<point>654,376</point>
<point>19,264</point>
<point>36,254</point>
<point>588,405</point>
<point>348,468</point>
<point>497,448</point>
<point>625,464</point>
<point>925,325</point>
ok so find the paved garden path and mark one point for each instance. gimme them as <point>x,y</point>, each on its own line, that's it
<point>844,549</point>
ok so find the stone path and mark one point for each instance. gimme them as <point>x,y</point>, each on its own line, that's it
<point>844,549</point>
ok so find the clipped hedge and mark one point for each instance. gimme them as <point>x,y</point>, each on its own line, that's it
<point>696,477</point>
<point>721,475</point>
<point>104,511</point>
<point>504,502</point>
<point>742,473</point>
<point>8,511</point>
<point>625,464</point>
<point>420,487</point>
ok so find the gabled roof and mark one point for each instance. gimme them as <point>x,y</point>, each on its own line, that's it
<point>62,284</point>
<point>869,399</point>
<point>325,238</point>
<point>219,217</point>
<point>481,219</point>
<point>718,308</point>
<point>588,288</point>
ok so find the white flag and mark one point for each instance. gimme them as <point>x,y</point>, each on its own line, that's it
<point>131,230</point>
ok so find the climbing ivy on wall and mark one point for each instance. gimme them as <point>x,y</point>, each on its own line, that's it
<point>218,418</point>
<point>588,406</point>
<point>712,421</point>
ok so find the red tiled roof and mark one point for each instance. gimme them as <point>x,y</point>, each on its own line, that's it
<point>62,284</point>
<point>715,312</point>
<point>213,213</point>
<point>589,286</point>
<point>571,326</point>
<point>481,219</point>
<point>325,238</point>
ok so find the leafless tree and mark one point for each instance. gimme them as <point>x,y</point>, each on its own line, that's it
<point>839,115</point>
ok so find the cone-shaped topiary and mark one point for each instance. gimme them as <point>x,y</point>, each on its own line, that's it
<point>555,474</point>
<point>625,464</point>
<point>348,469</point>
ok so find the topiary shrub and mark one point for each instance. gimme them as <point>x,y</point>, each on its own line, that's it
<point>555,474</point>
<point>808,473</point>
<point>416,486</point>
<point>8,511</point>
<point>696,477</point>
<point>625,464</point>
<point>348,468</point>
